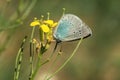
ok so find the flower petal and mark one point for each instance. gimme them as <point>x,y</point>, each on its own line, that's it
<point>54,24</point>
<point>45,28</point>
<point>34,23</point>
<point>49,22</point>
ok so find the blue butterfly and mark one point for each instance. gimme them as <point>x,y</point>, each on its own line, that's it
<point>70,28</point>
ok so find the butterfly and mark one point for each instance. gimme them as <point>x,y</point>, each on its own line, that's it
<point>71,28</point>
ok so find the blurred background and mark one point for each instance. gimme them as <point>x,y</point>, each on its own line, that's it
<point>98,57</point>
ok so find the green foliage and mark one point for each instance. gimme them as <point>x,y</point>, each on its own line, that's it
<point>17,16</point>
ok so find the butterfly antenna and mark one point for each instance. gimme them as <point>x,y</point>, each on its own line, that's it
<point>63,11</point>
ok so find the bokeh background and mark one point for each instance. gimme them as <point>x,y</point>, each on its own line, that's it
<point>98,57</point>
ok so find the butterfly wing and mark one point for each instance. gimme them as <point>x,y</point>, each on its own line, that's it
<point>70,27</point>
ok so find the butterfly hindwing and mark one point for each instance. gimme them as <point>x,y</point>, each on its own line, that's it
<point>70,27</point>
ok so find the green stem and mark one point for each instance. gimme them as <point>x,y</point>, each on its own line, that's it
<point>35,72</point>
<point>29,9</point>
<point>32,34</point>
<point>69,58</point>
<point>31,59</point>
<point>45,62</point>
<point>19,66</point>
<point>41,35</point>
<point>14,17</point>
<point>37,68</point>
<point>19,60</point>
<point>16,63</point>
<point>39,64</point>
<point>31,53</point>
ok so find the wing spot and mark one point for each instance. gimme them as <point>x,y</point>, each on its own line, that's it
<point>80,31</point>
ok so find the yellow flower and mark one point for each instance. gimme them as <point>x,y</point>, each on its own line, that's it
<point>49,35</point>
<point>54,24</point>
<point>35,23</point>
<point>45,28</point>
<point>47,46</point>
<point>49,38</point>
<point>34,41</point>
<point>38,46</point>
<point>49,22</point>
